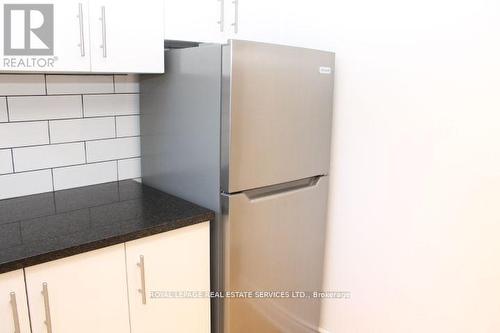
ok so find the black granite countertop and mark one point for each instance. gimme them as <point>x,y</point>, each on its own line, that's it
<point>44,227</point>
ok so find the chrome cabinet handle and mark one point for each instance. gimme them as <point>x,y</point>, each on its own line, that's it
<point>13,303</point>
<point>104,45</point>
<point>48,320</point>
<point>143,279</point>
<point>80,19</point>
<point>221,21</point>
<point>235,24</point>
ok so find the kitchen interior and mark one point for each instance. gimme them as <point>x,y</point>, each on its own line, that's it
<point>160,158</point>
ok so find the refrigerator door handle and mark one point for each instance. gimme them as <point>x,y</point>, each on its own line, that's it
<point>273,190</point>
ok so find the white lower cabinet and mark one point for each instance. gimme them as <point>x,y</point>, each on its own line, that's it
<point>109,290</point>
<point>177,261</point>
<point>80,294</point>
<point>13,306</point>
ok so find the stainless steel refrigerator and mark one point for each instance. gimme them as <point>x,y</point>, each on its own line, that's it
<point>245,129</point>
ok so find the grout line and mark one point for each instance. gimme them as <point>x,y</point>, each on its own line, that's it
<point>114,84</point>
<point>48,131</point>
<point>12,157</point>
<point>52,174</point>
<point>7,109</point>
<point>74,165</point>
<point>45,79</point>
<point>73,118</point>
<point>83,108</point>
<point>85,148</point>
<point>116,130</point>
<point>76,141</point>
<point>117,174</point>
<point>72,94</point>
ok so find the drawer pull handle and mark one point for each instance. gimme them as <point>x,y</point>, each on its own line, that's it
<point>48,320</point>
<point>104,45</point>
<point>82,39</point>
<point>143,279</point>
<point>13,303</point>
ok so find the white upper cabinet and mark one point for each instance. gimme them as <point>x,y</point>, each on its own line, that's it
<point>13,305</point>
<point>45,36</point>
<point>126,36</point>
<point>80,294</point>
<point>288,22</point>
<point>195,20</point>
<point>104,36</point>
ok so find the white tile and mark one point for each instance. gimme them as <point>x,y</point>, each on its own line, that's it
<point>50,156</point>
<point>22,84</point>
<point>44,107</point>
<point>105,150</point>
<point>127,83</point>
<point>81,129</point>
<point>5,162</point>
<point>25,183</point>
<point>3,110</point>
<point>110,105</point>
<point>128,126</point>
<point>79,84</point>
<point>84,175</point>
<point>23,134</point>
<point>129,169</point>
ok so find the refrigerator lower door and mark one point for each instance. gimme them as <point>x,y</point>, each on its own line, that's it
<point>277,104</point>
<point>274,241</point>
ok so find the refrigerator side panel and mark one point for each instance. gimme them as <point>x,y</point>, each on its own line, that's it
<point>280,114</point>
<point>275,239</point>
<point>180,125</point>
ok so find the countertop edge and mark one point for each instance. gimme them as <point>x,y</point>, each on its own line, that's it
<point>103,243</point>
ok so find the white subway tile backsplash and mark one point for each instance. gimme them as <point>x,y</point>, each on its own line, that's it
<point>128,126</point>
<point>105,150</point>
<point>49,156</point>
<point>64,131</point>
<point>79,84</point>
<point>44,107</point>
<point>110,105</point>
<point>5,161</point>
<point>84,175</point>
<point>127,83</point>
<point>25,183</point>
<point>3,110</point>
<point>82,129</point>
<point>23,134</point>
<point>22,84</point>
<point>129,169</point>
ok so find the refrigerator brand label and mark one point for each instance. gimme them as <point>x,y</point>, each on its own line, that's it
<point>325,70</point>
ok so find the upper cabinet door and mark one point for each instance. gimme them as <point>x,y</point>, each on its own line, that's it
<point>196,20</point>
<point>45,36</point>
<point>127,36</point>
<point>13,305</point>
<point>80,294</point>
<point>254,20</point>
<point>280,21</point>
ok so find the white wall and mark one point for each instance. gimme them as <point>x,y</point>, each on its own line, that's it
<point>64,131</point>
<point>415,206</point>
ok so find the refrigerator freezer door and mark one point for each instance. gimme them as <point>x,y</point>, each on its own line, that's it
<point>274,240</point>
<point>277,106</point>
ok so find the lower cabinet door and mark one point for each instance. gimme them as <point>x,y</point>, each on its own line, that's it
<point>164,266</point>
<point>80,294</point>
<point>13,305</point>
